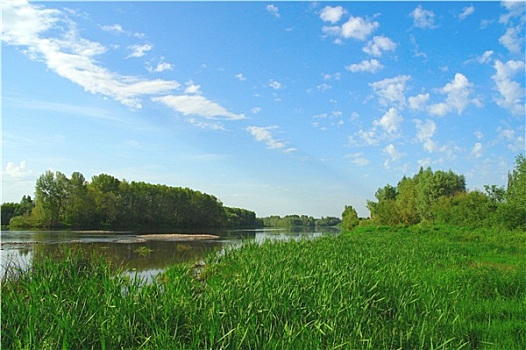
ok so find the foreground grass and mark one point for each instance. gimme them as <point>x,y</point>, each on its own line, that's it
<point>435,288</point>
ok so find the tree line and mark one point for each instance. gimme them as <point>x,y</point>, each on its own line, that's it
<point>107,202</point>
<point>299,221</point>
<point>441,197</point>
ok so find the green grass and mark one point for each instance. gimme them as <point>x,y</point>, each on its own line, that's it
<point>374,288</point>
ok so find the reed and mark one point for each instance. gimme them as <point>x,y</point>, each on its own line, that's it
<point>376,288</point>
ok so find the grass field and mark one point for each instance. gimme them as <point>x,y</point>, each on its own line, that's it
<point>374,288</point>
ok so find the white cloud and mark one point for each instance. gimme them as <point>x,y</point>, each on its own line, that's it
<point>486,57</point>
<point>274,10</point>
<point>358,159</point>
<point>418,102</point>
<point>161,67</point>
<point>276,85</point>
<point>514,8</point>
<point>117,28</point>
<point>358,28</point>
<point>324,87</point>
<point>378,45</point>
<point>17,171</point>
<point>517,143</point>
<point>192,88</point>
<point>335,76</point>
<point>240,77</point>
<point>355,28</point>
<point>477,150</point>
<point>512,39</point>
<point>264,134</point>
<point>425,131</point>
<point>197,105</point>
<point>369,137</point>
<point>457,91</point>
<point>393,153</point>
<point>479,135</point>
<point>511,92</point>
<point>205,124</point>
<point>423,18</point>
<point>255,110</point>
<point>390,121</point>
<point>332,14</point>
<point>71,56</point>
<point>371,66</point>
<point>391,90</point>
<point>139,50</point>
<point>439,109</point>
<point>466,12</point>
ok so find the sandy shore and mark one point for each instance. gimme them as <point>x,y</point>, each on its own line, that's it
<point>180,236</point>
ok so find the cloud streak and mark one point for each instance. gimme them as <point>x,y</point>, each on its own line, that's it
<point>265,135</point>
<point>71,56</point>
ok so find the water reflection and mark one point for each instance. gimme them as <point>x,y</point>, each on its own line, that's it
<point>145,257</point>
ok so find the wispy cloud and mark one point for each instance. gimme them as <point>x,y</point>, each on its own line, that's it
<point>139,50</point>
<point>240,77</point>
<point>274,10</point>
<point>160,67</point>
<point>117,28</point>
<point>197,105</point>
<point>423,18</point>
<point>72,56</point>
<point>477,150</point>
<point>512,39</point>
<point>265,135</point>
<point>276,85</point>
<point>425,131</point>
<point>511,92</point>
<point>358,159</point>
<point>371,66</point>
<point>394,155</point>
<point>468,10</point>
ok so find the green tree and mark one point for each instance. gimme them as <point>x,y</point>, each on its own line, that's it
<point>406,201</point>
<point>80,204</point>
<point>104,190</point>
<point>51,195</point>
<point>8,211</point>
<point>512,213</point>
<point>349,218</point>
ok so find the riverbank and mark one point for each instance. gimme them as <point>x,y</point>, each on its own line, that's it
<point>374,288</point>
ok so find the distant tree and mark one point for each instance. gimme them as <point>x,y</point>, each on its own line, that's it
<point>349,218</point>
<point>8,211</point>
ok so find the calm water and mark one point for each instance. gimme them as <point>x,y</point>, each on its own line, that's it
<point>147,258</point>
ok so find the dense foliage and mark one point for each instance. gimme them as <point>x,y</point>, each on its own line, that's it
<point>299,221</point>
<point>112,203</point>
<point>374,288</point>
<point>349,218</point>
<point>441,197</point>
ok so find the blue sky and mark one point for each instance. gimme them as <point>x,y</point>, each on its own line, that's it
<point>276,107</point>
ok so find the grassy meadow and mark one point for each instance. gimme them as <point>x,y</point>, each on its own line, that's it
<point>373,288</point>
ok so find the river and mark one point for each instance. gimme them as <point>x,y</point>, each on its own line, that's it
<point>126,249</point>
